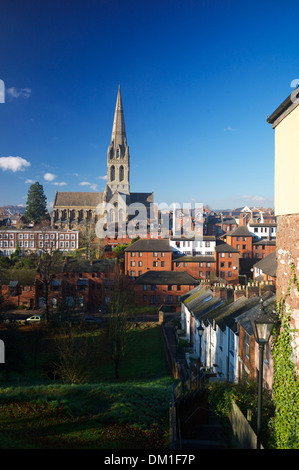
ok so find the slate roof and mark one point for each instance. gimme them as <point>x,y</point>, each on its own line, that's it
<point>226,313</point>
<point>289,102</point>
<point>77,199</point>
<point>268,264</point>
<point>265,242</point>
<point>241,231</point>
<point>202,302</point>
<point>149,245</point>
<point>166,278</point>
<point>196,295</point>
<point>194,259</point>
<point>84,266</point>
<point>22,276</point>
<point>269,306</point>
<point>222,247</point>
<point>263,224</point>
<point>142,198</point>
<point>205,238</point>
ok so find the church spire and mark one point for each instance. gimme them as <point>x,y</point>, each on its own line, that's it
<point>118,157</point>
<point>118,136</point>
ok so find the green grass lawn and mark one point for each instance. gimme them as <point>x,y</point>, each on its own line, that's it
<point>130,413</point>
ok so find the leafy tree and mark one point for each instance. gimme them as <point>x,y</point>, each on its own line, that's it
<point>36,206</point>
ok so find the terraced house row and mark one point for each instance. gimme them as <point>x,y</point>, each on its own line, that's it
<point>74,284</point>
<point>30,240</point>
<point>216,322</point>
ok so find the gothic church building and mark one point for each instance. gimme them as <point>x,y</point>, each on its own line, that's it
<point>74,210</point>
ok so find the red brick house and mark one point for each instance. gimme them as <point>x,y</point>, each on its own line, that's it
<point>240,239</point>
<point>78,284</point>
<point>200,267</point>
<point>17,288</point>
<point>263,248</point>
<point>227,262</point>
<point>163,288</point>
<point>148,255</point>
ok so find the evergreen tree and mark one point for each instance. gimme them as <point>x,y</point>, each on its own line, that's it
<point>36,207</point>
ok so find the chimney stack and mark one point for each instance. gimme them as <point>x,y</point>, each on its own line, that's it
<point>267,286</point>
<point>252,288</point>
<point>220,291</point>
<point>239,292</point>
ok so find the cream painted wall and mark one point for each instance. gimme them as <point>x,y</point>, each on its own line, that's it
<point>287,164</point>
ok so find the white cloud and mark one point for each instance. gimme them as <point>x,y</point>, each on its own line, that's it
<point>13,163</point>
<point>92,185</point>
<point>29,181</point>
<point>102,177</point>
<point>14,92</point>
<point>229,128</point>
<point>60,184</point>
<point>254,198</point>
<point>49,176</point>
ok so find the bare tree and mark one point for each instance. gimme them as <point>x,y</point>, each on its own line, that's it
<point>76,353</point>
<point>121,299</point>
<point>49,263</point>
<point>87,236</point>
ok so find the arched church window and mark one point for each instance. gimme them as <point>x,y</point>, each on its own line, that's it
<point>111,215</point>
<point>121,173</point>
<point>112,173</point>
<point>117,153</point>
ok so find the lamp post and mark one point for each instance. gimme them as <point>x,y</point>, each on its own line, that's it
<point>262,327</point>
<point>200,331</point>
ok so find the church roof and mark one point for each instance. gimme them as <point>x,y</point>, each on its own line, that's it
<point>142,198</point>
<point>77,199</point>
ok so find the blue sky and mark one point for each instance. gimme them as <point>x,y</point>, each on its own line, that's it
<point>198,78</point>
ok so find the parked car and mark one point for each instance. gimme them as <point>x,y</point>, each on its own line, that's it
<point>34,319</point>
<point>91,319</point>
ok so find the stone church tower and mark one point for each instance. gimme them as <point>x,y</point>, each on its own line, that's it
<point>118,157</point>
<point>76,210</point>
